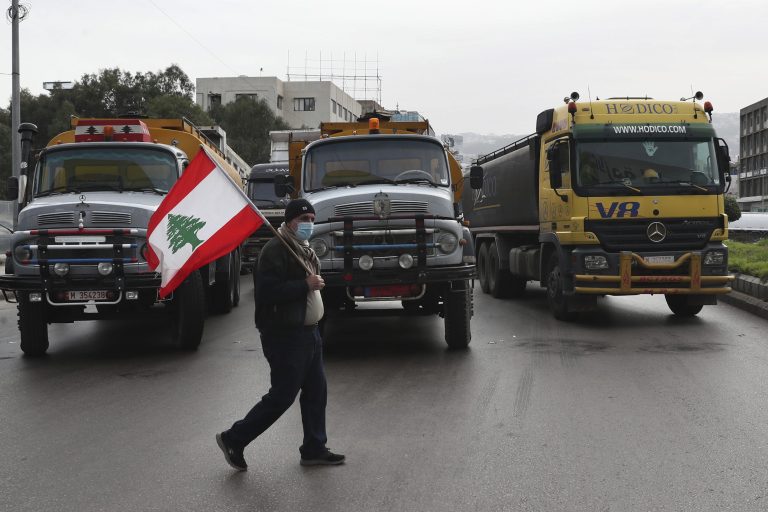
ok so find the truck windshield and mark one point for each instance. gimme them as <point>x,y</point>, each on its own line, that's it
<point>120,169</point>
<point>681,166</point>
<point>357,162</point>
<point>262,193</point>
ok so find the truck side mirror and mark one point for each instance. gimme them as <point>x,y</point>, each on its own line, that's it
<point>12,188</point>
<point>555,171</point>
<point>476,175</point>
<point>283,185</point>
<point>28,132</point>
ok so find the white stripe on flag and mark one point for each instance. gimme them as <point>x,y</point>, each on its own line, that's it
<point>213,202</point>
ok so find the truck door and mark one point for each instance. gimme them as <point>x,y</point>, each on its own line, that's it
<point>556,202</point>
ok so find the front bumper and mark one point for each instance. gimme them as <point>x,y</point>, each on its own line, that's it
<point>399,276</point>
<point>629,273</point>
<point>11,284</point>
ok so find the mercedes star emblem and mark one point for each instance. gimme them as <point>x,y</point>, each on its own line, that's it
<point>656,232</point>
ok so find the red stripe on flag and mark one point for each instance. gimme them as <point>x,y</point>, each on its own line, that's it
<point>224,241</point>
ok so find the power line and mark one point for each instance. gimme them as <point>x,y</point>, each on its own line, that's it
<point>191,36</point>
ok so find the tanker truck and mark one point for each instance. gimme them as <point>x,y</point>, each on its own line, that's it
<point>387,219</point>
<point>79,249</point>
<point>621,196</point>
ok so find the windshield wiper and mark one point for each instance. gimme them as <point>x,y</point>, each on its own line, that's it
<point>146,189</point>
<point>682,182</point>
<point>62,189</point>
<point>418,180</point>
<point>630,187</point>
<point>375,181</point>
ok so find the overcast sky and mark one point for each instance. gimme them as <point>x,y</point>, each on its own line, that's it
<point>478,65</point>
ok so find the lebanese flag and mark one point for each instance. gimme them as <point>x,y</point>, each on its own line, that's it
<point>205,216</point>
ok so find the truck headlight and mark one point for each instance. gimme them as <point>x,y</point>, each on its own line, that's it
<point>595,262</point>
<point>714,258</point>
<point>105,268</point>
<point>22,253</point>
<point>365,262</point>
<point>319,246</point>
<point>447,242</point>
<point>405,261</point>
<point>61,269</point>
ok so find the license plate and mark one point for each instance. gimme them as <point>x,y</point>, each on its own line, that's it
<point>83,295</point>
<point>659,259</point>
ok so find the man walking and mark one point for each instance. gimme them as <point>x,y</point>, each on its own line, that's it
<point>288,308</point>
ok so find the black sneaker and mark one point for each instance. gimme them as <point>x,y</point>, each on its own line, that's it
<point>327,458</point>
<point>233,455</point>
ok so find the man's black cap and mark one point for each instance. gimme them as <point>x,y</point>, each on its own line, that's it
<point>297,207</point>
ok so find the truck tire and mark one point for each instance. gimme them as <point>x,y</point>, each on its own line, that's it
<point>557,301</point>
<point>458,312</point>
<point>482,267</point>
<point>223,293</point>
<point>33,327</point>
<point>680,307</point>
<point>188,312</point>
<point>500,283</point>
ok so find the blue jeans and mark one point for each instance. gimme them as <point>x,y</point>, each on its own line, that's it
<point>296,364</point>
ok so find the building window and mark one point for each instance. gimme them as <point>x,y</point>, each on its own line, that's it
<point>303,104</point>
<point>214,100</point>
<point>333,106</point>
<point>279,102</point>
<point>250,96</point>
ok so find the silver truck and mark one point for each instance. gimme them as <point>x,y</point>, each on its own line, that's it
<point>79,249</point>
<point>387,227</point>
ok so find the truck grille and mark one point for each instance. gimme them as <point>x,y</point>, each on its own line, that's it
<point>48,219</point>
<point>632,235</point>
<point>111,218</point>
<point>382,237</point>
<point>366,208</point>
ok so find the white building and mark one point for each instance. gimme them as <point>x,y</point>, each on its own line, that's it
<point>300,104</point>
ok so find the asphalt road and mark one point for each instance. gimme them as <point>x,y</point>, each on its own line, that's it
<point>629,410</point>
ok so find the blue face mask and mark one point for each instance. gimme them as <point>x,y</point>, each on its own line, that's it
<point>304,230</point>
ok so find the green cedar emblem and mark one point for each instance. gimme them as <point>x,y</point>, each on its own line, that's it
<point>182,230</point>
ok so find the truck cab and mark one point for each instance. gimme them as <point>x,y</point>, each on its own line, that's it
<point>387,225</point>
<point>79,249</point>
<point>261,190</point>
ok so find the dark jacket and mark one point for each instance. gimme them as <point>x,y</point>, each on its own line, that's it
<point>280,289</point>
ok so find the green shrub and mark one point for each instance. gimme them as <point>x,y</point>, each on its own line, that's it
<point>750,259</point>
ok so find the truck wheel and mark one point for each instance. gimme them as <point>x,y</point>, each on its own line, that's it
<point>223,296</point>
<point>189,312</point>
<point>499,279</point>
<point>680,307</point>
<point>482,267</point>
<point>458,312</point>
<point>558,303</point>
<point>33,327</point>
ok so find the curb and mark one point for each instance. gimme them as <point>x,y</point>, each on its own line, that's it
<point>746,302</point>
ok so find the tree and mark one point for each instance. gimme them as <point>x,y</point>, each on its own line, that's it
<point>732,208</point>
<point>248,123</point>
<point>171,107</point>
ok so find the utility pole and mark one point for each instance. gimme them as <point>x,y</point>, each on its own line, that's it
<point>15,100</point>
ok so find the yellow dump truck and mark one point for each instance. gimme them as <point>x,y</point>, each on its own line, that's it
<point>79,251</point>
<point>619,196</point>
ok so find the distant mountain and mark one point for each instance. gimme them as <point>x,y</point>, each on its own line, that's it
<point>476,144</point>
